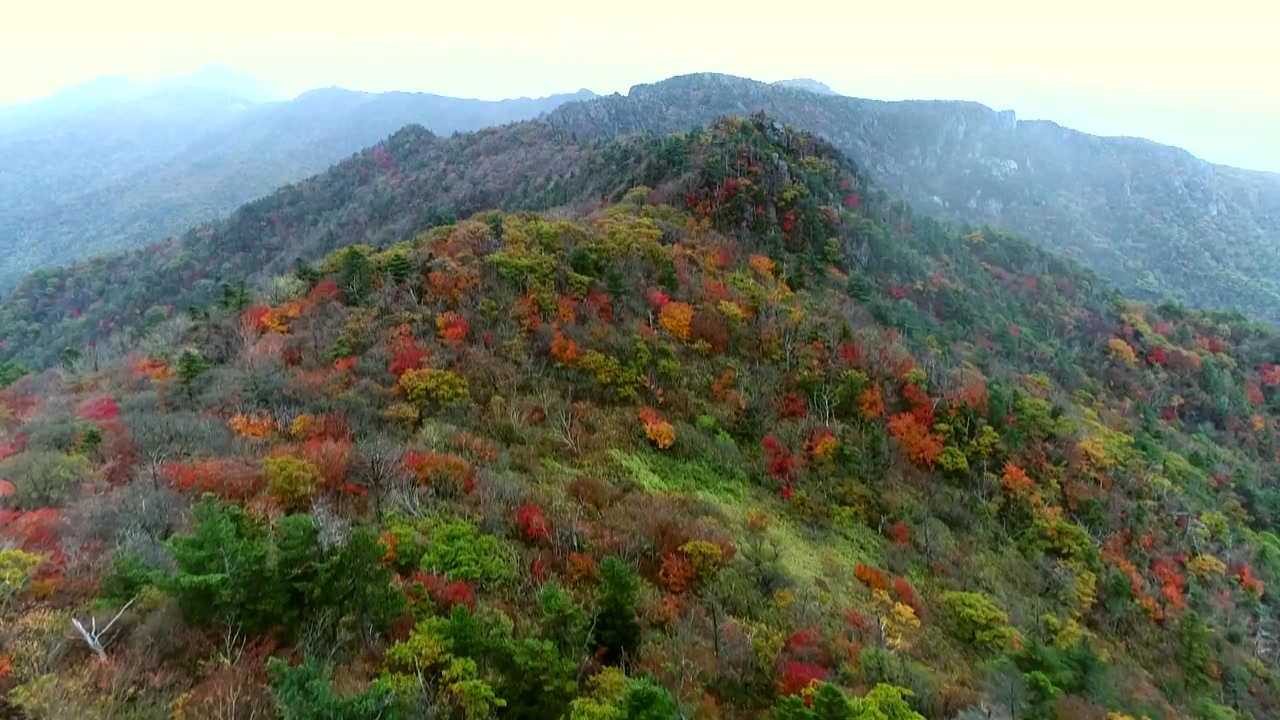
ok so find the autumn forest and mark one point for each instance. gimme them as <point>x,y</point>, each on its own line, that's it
<point>521,424</point>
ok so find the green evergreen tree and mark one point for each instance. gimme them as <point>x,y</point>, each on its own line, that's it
<point>563,621</point>
<point>297,564</point>
<point>305,692</point>
<point>10,372</point>
<point>225,573</point>
<point>860,288</point>
<point>191,367</point>
<point>235,297</point>
<point>791,707</point>
<point>649,701</point>
<point>127,578</point>
<point>352,580</point>
<point>617,627</point>
<point>1196,652</point>
<point>306,272</point>
<point>830,703</point>
<point>399,268</point>
<point>539,682</point>
<point>495,225</point>
<point>355,277</point>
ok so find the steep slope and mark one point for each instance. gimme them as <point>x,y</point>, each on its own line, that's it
<point>164,157</point>
<point>1152,219</point>
<point>411,181</point>
<point>752,441</point>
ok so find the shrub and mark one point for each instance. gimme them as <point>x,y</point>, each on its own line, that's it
<point>43,478</point>
<point>457,550</point>
<point>433,387</point>
<point>974,618</point>
<point>291,481</point>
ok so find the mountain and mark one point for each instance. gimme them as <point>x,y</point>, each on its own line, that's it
<point>150,161</point>
<point>1154,220</point>
<point>692,425</point>
<point>807,84</point>
<point>70,100</point>
<point>98,92</point>
<point>221,77</point>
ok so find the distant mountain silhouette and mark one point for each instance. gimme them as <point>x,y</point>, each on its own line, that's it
<point>113,164</point>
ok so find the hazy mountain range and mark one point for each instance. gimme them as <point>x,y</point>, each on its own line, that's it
<point>113,164</point>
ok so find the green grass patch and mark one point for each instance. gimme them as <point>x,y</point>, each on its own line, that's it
<point>663,474</point>
<point>805,554</point>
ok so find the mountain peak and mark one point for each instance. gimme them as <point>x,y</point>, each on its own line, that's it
<point>807,84</point>
<point>224,77</point>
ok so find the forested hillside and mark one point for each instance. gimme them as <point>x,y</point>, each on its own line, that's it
<point>410,182</point>
<point>723,432</point>
<point>116,168</point>
<point>1152,219</point>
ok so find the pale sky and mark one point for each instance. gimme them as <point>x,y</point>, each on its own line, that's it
<point>1199,75</point>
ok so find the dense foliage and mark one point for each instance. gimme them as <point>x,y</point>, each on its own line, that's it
<point>749,439</point>
<point>411,181</point>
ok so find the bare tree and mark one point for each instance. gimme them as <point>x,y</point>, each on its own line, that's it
<point>379,467</point>
<point>96,639</point>
<point>563,416</point>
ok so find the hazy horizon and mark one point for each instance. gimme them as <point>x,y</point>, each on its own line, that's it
<point>1190,79</point>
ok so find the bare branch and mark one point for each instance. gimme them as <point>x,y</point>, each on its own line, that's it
<point>97,639</point>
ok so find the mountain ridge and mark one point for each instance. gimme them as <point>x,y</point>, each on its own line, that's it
<point>131,173</point>
<point>1153,219</point>
<point>702,424</point>
<point>1181,228</point>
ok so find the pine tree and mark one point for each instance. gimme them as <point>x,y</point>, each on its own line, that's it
<point>305,272</point>
<point>860,288</point>
<point>305,692</point>
<point>10,371</point>
<point>191,366</point>
<point>617,627</point>
<point>235,297</point>
<point>1196,651</point>
<point>224,570</point>
<point>399,269</point>
<point>649,701</point>
<point>353,581</point>
<point>355,277</point>
<point>829,703</point>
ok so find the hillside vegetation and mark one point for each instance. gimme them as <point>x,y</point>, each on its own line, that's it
<point>740,437</point>
<point>142,163</point>
<point>1153,220</point>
